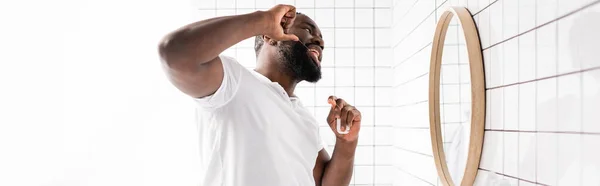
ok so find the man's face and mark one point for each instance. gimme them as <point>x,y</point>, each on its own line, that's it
<point>303,60</point>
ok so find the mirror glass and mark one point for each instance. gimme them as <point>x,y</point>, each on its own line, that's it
<point>455,101</point>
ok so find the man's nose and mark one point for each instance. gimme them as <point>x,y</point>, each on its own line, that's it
<point>317,40</point>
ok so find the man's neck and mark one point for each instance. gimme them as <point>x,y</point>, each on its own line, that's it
<point>276,75</point>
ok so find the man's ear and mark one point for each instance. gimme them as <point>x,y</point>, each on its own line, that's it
<point>268,40</point>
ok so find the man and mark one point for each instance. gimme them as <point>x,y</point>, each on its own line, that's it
<point>254,130</point>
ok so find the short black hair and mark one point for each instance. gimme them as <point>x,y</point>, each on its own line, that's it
<point>258,40</point>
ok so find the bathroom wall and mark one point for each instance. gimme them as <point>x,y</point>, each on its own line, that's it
<point>542,84</point>
<point>356,66</point>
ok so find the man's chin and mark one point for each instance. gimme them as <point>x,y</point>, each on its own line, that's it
<point>313,79</point>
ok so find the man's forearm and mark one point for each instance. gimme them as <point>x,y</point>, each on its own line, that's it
<point>203,41</point>
<point>339,169</point>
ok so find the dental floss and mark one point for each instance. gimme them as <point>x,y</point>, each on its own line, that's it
<point>339,121</point>
<point>339,127</point>
<point>303,44</point>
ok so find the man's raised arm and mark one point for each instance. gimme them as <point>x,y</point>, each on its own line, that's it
<point>190,54</point>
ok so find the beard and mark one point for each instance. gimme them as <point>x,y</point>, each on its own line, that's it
<point>296,61</point>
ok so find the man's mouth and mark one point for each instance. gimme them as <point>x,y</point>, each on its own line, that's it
<point>314,54</point>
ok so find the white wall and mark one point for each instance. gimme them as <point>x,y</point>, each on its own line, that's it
<point>542,81</point>
<point>84,100</point>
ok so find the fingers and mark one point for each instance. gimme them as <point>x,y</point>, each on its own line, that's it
<point>284,17</point>
<point>340,103</point>
<point>344,117</point>
<point>282,9</point>
<point>286,14</point>
<point>332,98</point>
<point>348,115</point>
<point>353,116</point>
<point>290,12</point>
<point>333,114</point>
<point>331,101</point>
<point>288,21</point>
<point>290,37</point>
<point>285,37</point>
<point>285,10</point>
<point>342,110</point>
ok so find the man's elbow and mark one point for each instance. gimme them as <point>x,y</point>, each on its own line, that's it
<point>174,51</point>
<point>167,49</point>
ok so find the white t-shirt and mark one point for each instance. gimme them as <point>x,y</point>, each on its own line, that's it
<point>253,134</point>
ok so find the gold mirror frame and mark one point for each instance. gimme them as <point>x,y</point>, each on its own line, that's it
<point>477,95</point>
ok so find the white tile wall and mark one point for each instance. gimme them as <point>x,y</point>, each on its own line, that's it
<point>492,153</point>
<point>511,18</point>
<point>543,89</point>
<point>546,50</point>
<point>591,101</point>
<point>547,151</point>
<point>527,14</point>
<point>546,105</point>
<point>590,161</point>
<point>569,159</point>
<point>527,155</point>
<point>546,10</point>
<point>496,66</point>
<point>497,109</point>
<point>511,108</point>
<point>511,62</point>
<point>527,105</point>
<point>527,62</point>
<point>565,47</point>
<point>569,103</point>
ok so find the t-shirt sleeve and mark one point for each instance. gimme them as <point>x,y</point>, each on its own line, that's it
<point>320,142</point>
<point>232,71</point>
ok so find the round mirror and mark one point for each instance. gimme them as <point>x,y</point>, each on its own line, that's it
<point>456,97</point>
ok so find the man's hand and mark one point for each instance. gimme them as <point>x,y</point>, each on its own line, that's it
<point>348,115</point>
<point>278,20</point>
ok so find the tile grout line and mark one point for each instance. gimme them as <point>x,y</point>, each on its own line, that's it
<point>410,128</point>
<point>513,177</point>
<point>547,23</point>
<point>412,103</point>
<point>404,15</point>
<point>544,132</point>
<point>536,91</point>
<point>503,91</point>
<point>581,124</point>
<point>411,80</point>
<point>544,78</point>
<point>374,75</point>
<point>484,8</point>
<point>556,89</point>
<point>518,96</point>
<point>414,176</point>
<point>412,55</point>
<point>413,30</point>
